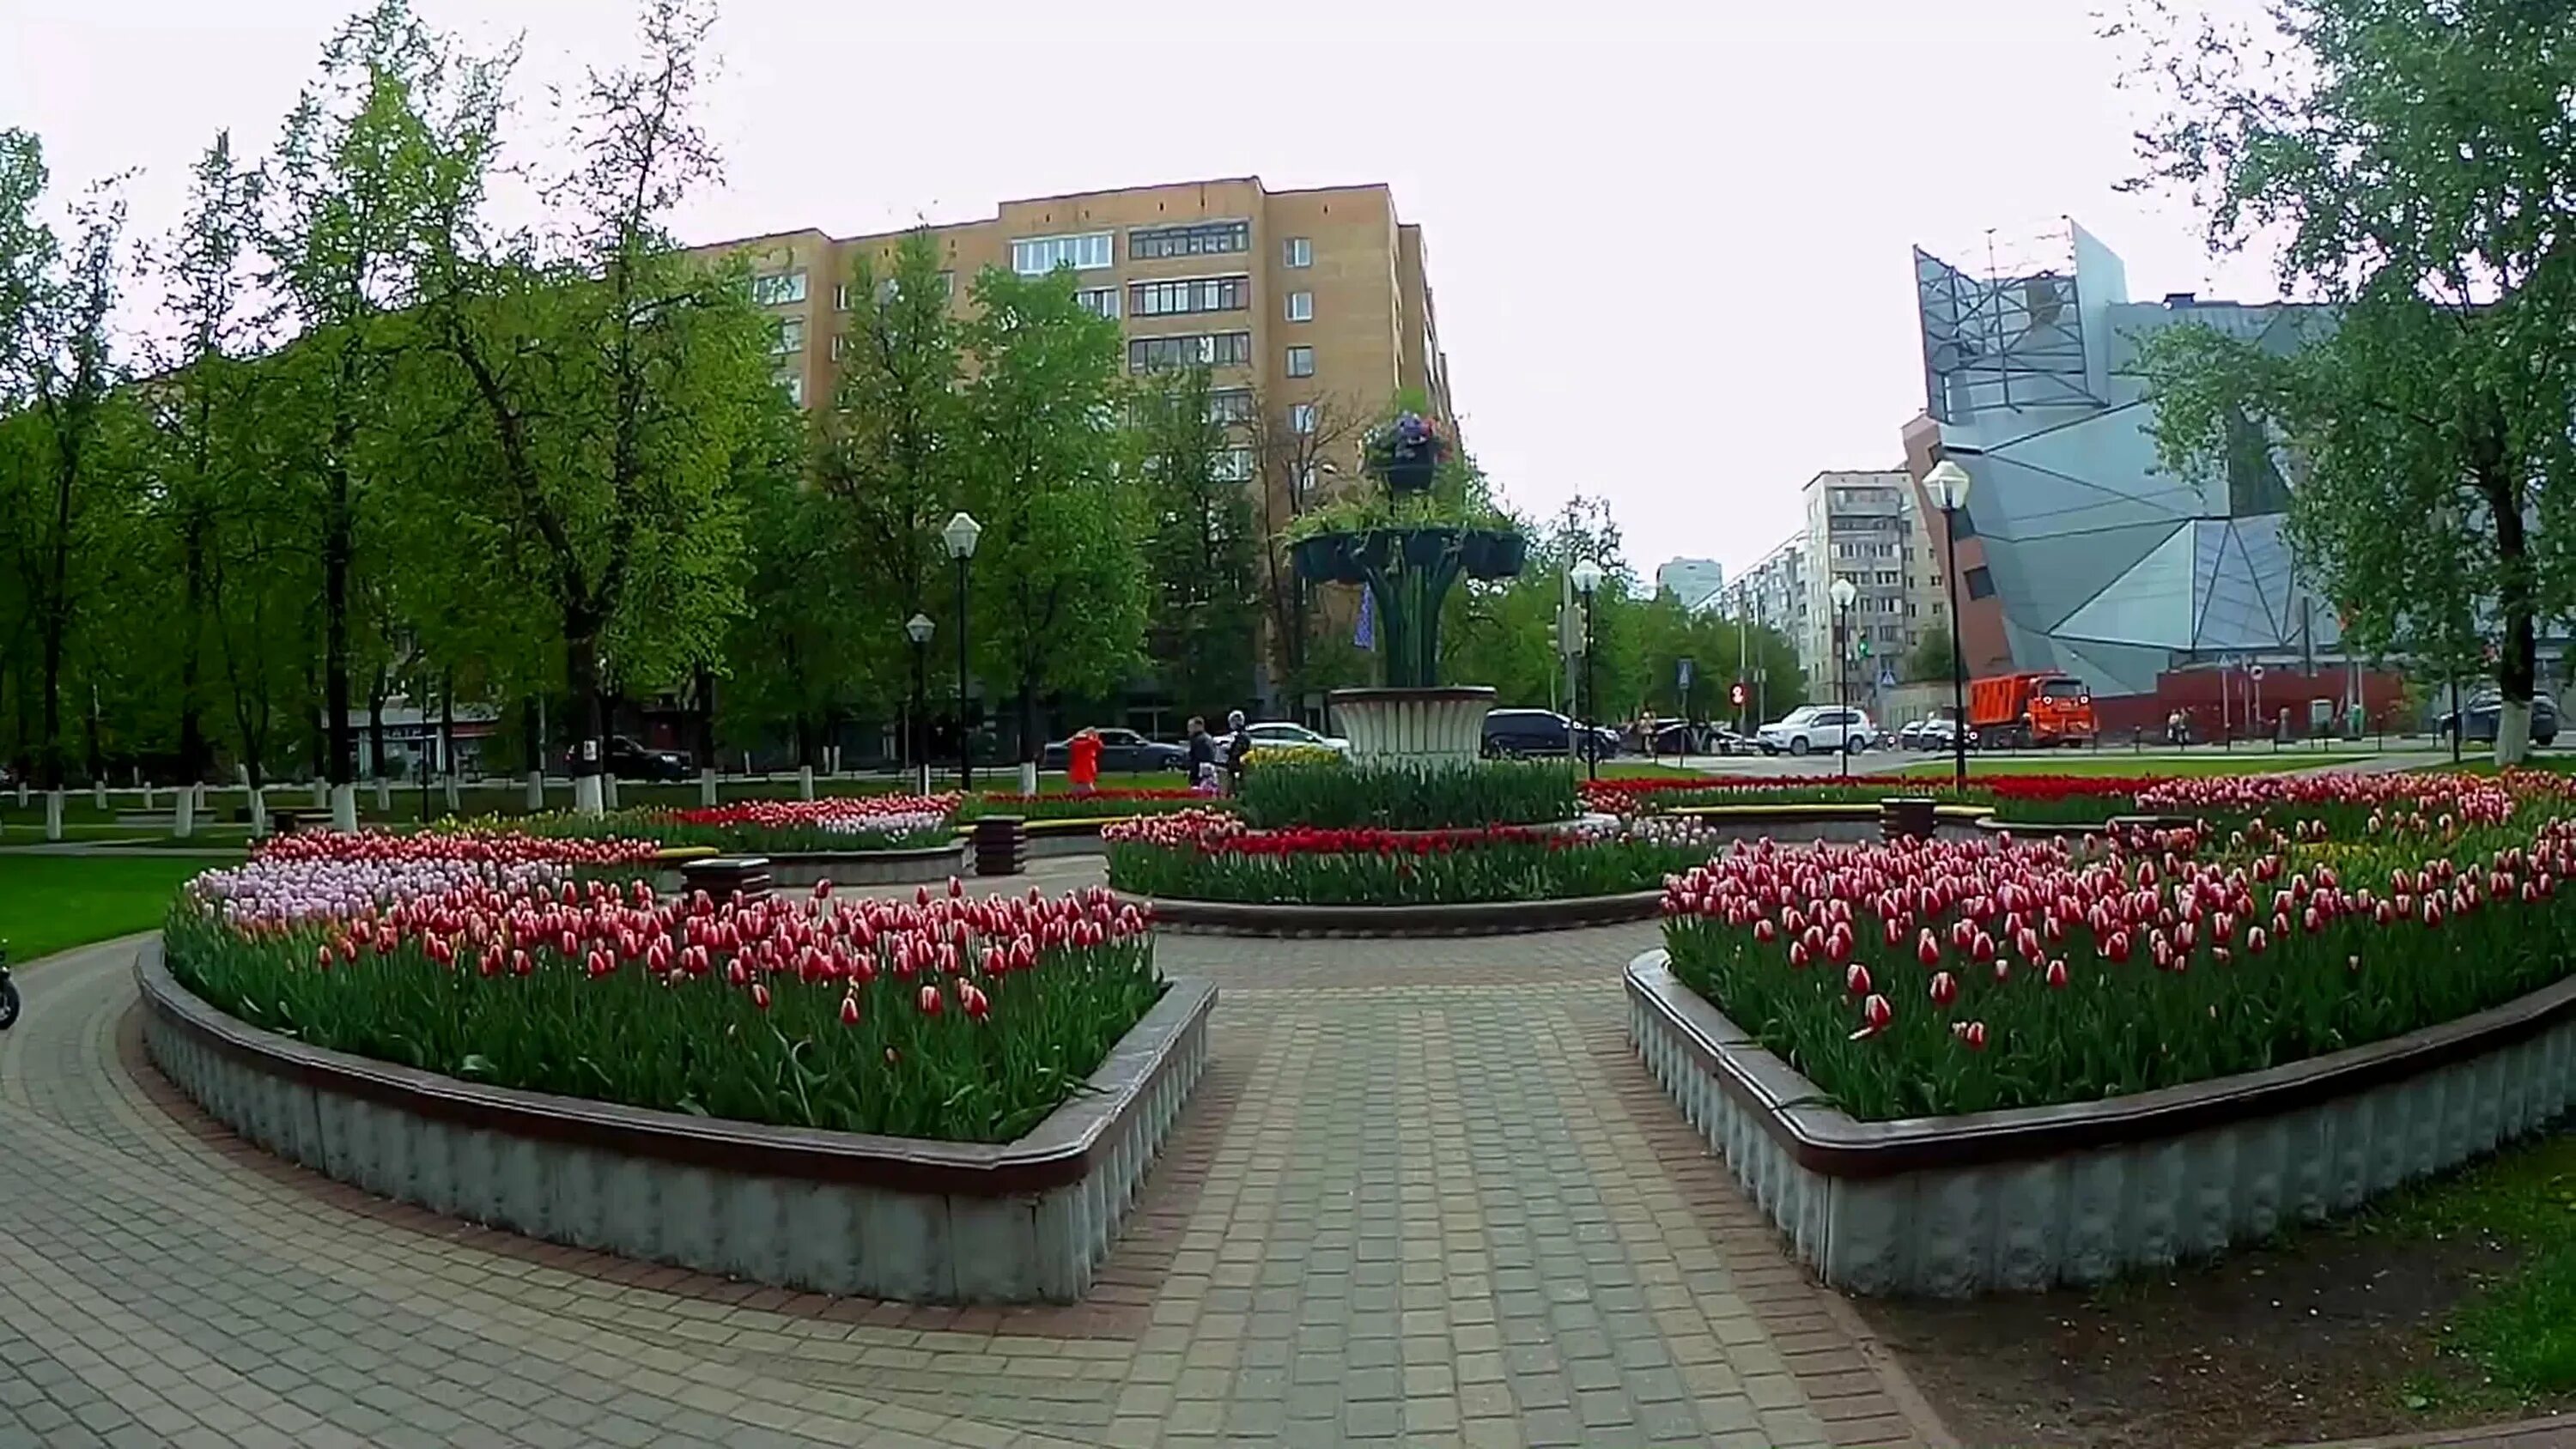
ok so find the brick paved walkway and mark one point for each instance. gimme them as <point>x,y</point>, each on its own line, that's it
<point>1426,1196</point>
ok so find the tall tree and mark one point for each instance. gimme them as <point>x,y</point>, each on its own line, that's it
<point>1061,588</point>
<point>1201,551</point>
<point>2417,166</point>
<point>351,172</point>
<point>68,494</point>
<point>618,382</point>
<point>197,405</point>
<point>891,454</point>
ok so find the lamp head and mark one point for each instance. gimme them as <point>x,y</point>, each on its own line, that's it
<point>960,535</point>
<point>1844,591</point>
<point>1948,485</point>
<point>1586,577</point>
<point>918,626</point>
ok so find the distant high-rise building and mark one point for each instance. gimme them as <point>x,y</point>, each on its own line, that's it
<point>1866,527</point>
<point>1696,582</point>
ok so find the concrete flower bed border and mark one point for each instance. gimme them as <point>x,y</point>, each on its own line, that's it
<point>1481,918</point>
<point>2034,1197</point>
<point>830,1212</point>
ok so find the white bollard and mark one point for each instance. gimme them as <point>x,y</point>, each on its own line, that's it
<point>22,794</point>
<point>804,782</point>
<point>447,785</point>
<point>384,795</point>
<point>321,793</point>
<point>608,790</point>
<point>147,794</point>
<point>259,812</point>
<point>707,788</point>
<point>1028,777</point>
<point>536,796</point>
<point>588,797</point>
<point>53,814</point>
<point>344,808</point>
<point>98,794</point>
<point>184,824</point>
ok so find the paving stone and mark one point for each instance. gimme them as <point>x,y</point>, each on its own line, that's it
<point>1427,1195</point>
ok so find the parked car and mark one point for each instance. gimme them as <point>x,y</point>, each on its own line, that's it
<point>2485,710</point>
<point>1121,750</point>
<point>1932,733</point>
<point>1281,734</point>
<point>628,760</point>
<point>1511,734</point>
<point>1813,727</point>
<point>1723,740</point>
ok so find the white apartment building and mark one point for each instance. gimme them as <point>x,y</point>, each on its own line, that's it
<point>1862,525</point>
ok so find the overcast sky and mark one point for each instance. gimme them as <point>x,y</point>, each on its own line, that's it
<point>1669,244</point>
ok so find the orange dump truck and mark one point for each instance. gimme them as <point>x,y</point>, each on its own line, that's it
<point>2013,710</point>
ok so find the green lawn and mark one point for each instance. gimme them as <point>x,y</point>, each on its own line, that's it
<point>51,903</point>
<point>2519,1327</point>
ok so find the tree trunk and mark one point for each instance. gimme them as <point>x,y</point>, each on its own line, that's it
<point>2518,661</point>
<point>532,733</point>
<point>376,725</point>
<point>193,751</point>
<point>581,675</point>
<point>339,545</point>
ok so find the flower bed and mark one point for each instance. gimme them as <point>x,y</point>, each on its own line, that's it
<point>968,1020</point>
<point>1334,795</point>
<point>1073,805</point>
<point>1936,979</point>
<point>1210,856</point>
<point>780,827</point>
<point>2342,802</point>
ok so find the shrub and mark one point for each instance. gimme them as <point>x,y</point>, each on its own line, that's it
<point>1214,857</point>
<point>1341,796</point>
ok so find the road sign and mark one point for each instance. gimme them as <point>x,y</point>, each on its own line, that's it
<point>1886,678</point>
<point>1682,668</point>
<point>1735,696</point>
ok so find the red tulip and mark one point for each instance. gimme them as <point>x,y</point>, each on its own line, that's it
<point>1927,949</point>
<point>2057,975</point>
<point>1945,988</point>
<point>2256,940</point>
<point>930,1000</point>
<point>849,1010</point>
<point>760,995</point>
<point>1973,1033</point>
<point>1877,1013</point>
<point>972,999</point>
<point>1856,980</point>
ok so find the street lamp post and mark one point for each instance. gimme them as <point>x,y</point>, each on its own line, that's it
<point>1948,485</point>
<point>960,536</point>
<point>917,741</point>
<point>1844,591</point>
<point>1587,581</point>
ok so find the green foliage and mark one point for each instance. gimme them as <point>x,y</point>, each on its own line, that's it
<point>1463,872</point>
<point>1201,550</point>
<point>696,1044</point>
<point>2414,163</point>
<point>1932,661</point>
<point>891,456</point>
<point>1060,585</point>
<point>1396,797</point>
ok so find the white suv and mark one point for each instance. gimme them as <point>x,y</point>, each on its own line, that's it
<point>1816,727</point>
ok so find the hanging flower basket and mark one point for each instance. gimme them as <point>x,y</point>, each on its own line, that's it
<point>1493,553</point>
<point>1328,558</point>
<point>1406,453</point>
